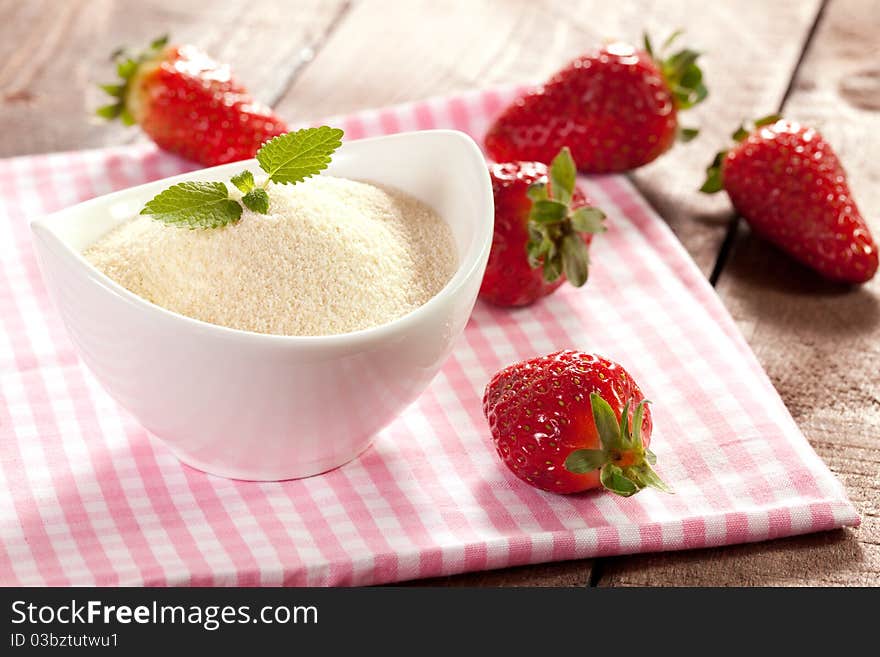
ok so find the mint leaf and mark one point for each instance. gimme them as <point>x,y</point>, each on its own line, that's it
<point>194,205</point>
<point>244,181</point>
<point>287,159</point>
<point>257,200</point>
<point>295,156</point>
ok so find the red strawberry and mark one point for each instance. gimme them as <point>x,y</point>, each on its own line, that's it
<point>571,421</point>
<point>616,109</point>
<point>190,105</point>
<point>786,181</point>
<point>542,231</point>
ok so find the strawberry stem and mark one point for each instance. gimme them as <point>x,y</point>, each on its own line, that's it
<point>554,241</point>
<point>681,73</point>
<point>714,180</point>
<point>127,66</point>
<point>624,463</point>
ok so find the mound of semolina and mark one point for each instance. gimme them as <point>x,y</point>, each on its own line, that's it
<point>331,256</point>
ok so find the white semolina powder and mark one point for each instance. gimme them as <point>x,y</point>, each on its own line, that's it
<point>332,256</point>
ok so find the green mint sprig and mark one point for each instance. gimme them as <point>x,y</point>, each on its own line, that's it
<point>194,205</point>
<point>287,159</point>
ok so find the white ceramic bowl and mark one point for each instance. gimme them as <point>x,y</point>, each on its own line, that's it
<point>268,407</point>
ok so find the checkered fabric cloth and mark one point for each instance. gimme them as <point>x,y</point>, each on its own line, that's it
<point>87,496</point>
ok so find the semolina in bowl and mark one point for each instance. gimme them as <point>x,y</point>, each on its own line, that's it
<point>301,379</point>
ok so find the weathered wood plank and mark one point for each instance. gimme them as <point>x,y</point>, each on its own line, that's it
<point>377,56</point>
<point>819,342</point>
<point>48,70</point>
<point>830,558</point>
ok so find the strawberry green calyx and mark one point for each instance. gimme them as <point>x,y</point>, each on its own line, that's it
<point>682,75</point>
<point>127,66</point>
<point>623,462</point>
<point>714,182</point>
<point>554,243</point>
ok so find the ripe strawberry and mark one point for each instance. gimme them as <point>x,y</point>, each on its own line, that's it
<point>542,231</point>
<point>786,181</point>
<point>189,105</point>
<point>571,421</point>
<point>616,109</point>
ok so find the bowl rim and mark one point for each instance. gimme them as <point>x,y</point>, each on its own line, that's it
<point>469,262</point>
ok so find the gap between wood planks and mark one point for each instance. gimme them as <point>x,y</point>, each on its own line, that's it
<point>733,227</point>
<point>298,68</point>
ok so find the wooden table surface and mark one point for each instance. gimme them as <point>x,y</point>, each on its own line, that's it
<point>815,61</point>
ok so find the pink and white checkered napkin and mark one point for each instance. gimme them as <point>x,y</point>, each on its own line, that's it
<point>88,497</point>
